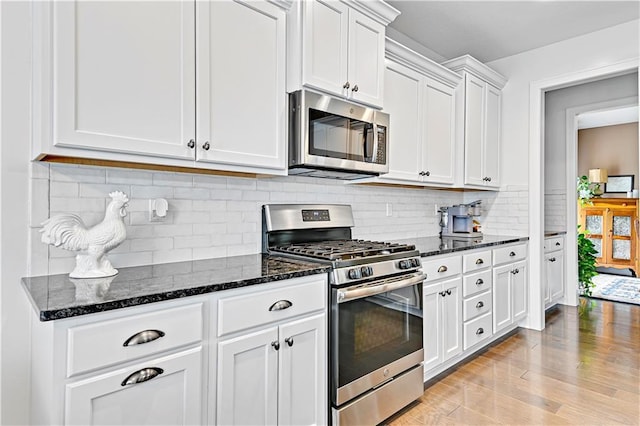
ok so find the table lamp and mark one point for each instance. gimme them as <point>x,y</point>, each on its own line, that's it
<point>597,176</point>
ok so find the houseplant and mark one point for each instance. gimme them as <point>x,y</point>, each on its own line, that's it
<point>586,264</point>
<point>585,192</point>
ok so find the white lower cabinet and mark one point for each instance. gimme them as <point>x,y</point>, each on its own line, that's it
<point>554,271</point>
<point>273,370</point>
<point>161,391</point>
<point>510,294</point>
<point>442,321</point>
<point>274,376</point>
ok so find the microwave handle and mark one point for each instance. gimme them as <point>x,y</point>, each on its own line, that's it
<point>358,292</point>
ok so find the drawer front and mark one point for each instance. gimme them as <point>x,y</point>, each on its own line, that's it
<point>102,344</point>
<point>553,244</point>
<point>476,261</point>
<point>477,330</point>
<point>509,254</point>
<point>477,305</point>
<point>441,267</point>
<point>476,283</point>
<point>264,307</point>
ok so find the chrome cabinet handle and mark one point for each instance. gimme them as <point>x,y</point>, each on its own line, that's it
<point>515,271</point>
<point>142,376</point>
<point>442,269</point>
<point>557,243</point>
<point>479,262</point>
<point>421,173</point>
<point>427,173</point>
<point>480,331</point>
<point>512,254</point>
<point>449,292</point>
<point>355,88</point>
<point>191,144</point>
<point>144,336</point>
<point>443,293</point>
<point>480,281</point>
<point>289,341</point>
<point>489,179</point>
<point>480,304</point>
<point>553,259</point>
<point>346,85</point>
<point>276,345</point>
<point>206,146</point>
<point>280,305</point>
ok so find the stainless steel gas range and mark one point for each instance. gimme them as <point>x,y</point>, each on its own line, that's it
<point>375,323</point>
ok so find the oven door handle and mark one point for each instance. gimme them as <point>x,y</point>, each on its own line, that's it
<point>383,286</point>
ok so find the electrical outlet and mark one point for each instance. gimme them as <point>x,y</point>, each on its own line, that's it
<point>389,209</point>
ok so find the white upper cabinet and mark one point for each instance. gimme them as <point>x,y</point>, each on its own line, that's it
<point>338,48</point>
<point>479,121</point>
<point>201,84</point>
<point>124,82</point>
<point>241,94</point>
<point>420,99</point>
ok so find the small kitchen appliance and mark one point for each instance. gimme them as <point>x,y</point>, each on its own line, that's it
<point>334,138</point>
<point>458,220</point>
<point>376,308</point>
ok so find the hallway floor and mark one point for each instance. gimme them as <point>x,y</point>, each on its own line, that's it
<point>580,370</point>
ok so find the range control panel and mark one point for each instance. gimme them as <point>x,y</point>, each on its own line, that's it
<point>315,216</point>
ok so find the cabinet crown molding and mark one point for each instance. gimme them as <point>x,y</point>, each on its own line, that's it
<point>412,59</point>
<point>283,4</point>
<point>377,10</point>
<point>473,66</point>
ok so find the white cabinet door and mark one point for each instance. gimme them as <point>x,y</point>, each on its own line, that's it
<point>402,103</point>
<point>241,98</point>
<point>302,393</point>
<point>451,318</point>
<point>169,392</point>
<point>556,284</point>
<point>502,309</point>
<point>366,59</point>
<point>432,327</point>
<point>438,153</point>
<point>474,129</point>
<point>326,35</point>
<point>124,82</point>
<point>519,291</point>
<point>549,271</point>
<point>247,379</point>
<point>491,155</point>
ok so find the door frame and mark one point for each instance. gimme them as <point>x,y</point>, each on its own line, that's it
<point>537,90</point>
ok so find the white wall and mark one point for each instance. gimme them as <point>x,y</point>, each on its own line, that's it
<point>590,51</point>
<point>14,195</point>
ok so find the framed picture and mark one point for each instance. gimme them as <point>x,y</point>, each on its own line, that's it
<point>620,183</point>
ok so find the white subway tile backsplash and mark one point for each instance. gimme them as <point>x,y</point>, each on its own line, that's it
<point>215,216</point>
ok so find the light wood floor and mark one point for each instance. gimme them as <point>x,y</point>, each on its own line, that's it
<point>581,370</point>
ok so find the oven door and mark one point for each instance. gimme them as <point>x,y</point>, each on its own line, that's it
<point>376,334</point>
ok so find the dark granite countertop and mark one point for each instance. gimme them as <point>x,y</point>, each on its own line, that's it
<point>58,296</point>
<point>433,246</point>
<point>554,233</point>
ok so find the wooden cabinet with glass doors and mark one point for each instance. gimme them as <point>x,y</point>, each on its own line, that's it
<point>612,226</point>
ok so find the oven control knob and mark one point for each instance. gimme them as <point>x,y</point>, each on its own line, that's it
<point>405,264</point>
<point>366,271</point>
<point>354,274</point>
<point>415,263</point>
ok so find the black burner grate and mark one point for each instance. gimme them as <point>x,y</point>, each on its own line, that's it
<point>343,249</point>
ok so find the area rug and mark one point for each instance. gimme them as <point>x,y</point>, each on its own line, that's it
<point>617,288</point>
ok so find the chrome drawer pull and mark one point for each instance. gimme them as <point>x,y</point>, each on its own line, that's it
<point>449,292</point>
<point>479,262</point>
<point>280,305</point>
<point>480,331</point>
<point>480,304</point>
<point>512,254</point>
<point>480,281</point>
<point>145,336</point>
<point>289,341</point>
<point>557,243</point>
<point>276,345</point>
<point>442,269</point>
<point>142,376</point>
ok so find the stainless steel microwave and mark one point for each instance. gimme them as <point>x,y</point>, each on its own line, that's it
<point>331,137</point>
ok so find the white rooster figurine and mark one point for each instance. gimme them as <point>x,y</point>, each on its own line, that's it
<point>69,232</point>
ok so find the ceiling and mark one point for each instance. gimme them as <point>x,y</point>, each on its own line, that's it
<point>490,30</point>
<point>610,117</point>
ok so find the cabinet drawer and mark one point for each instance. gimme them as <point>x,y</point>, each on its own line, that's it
<point>509,254</point>
<point>476,283</point>
<point>477,330</point>
<point>442,267</point>
<point>477,305</point>
<point>476,261</point>
<point>256,309</point>
<point>102,344</point>
<point>553,244</point>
